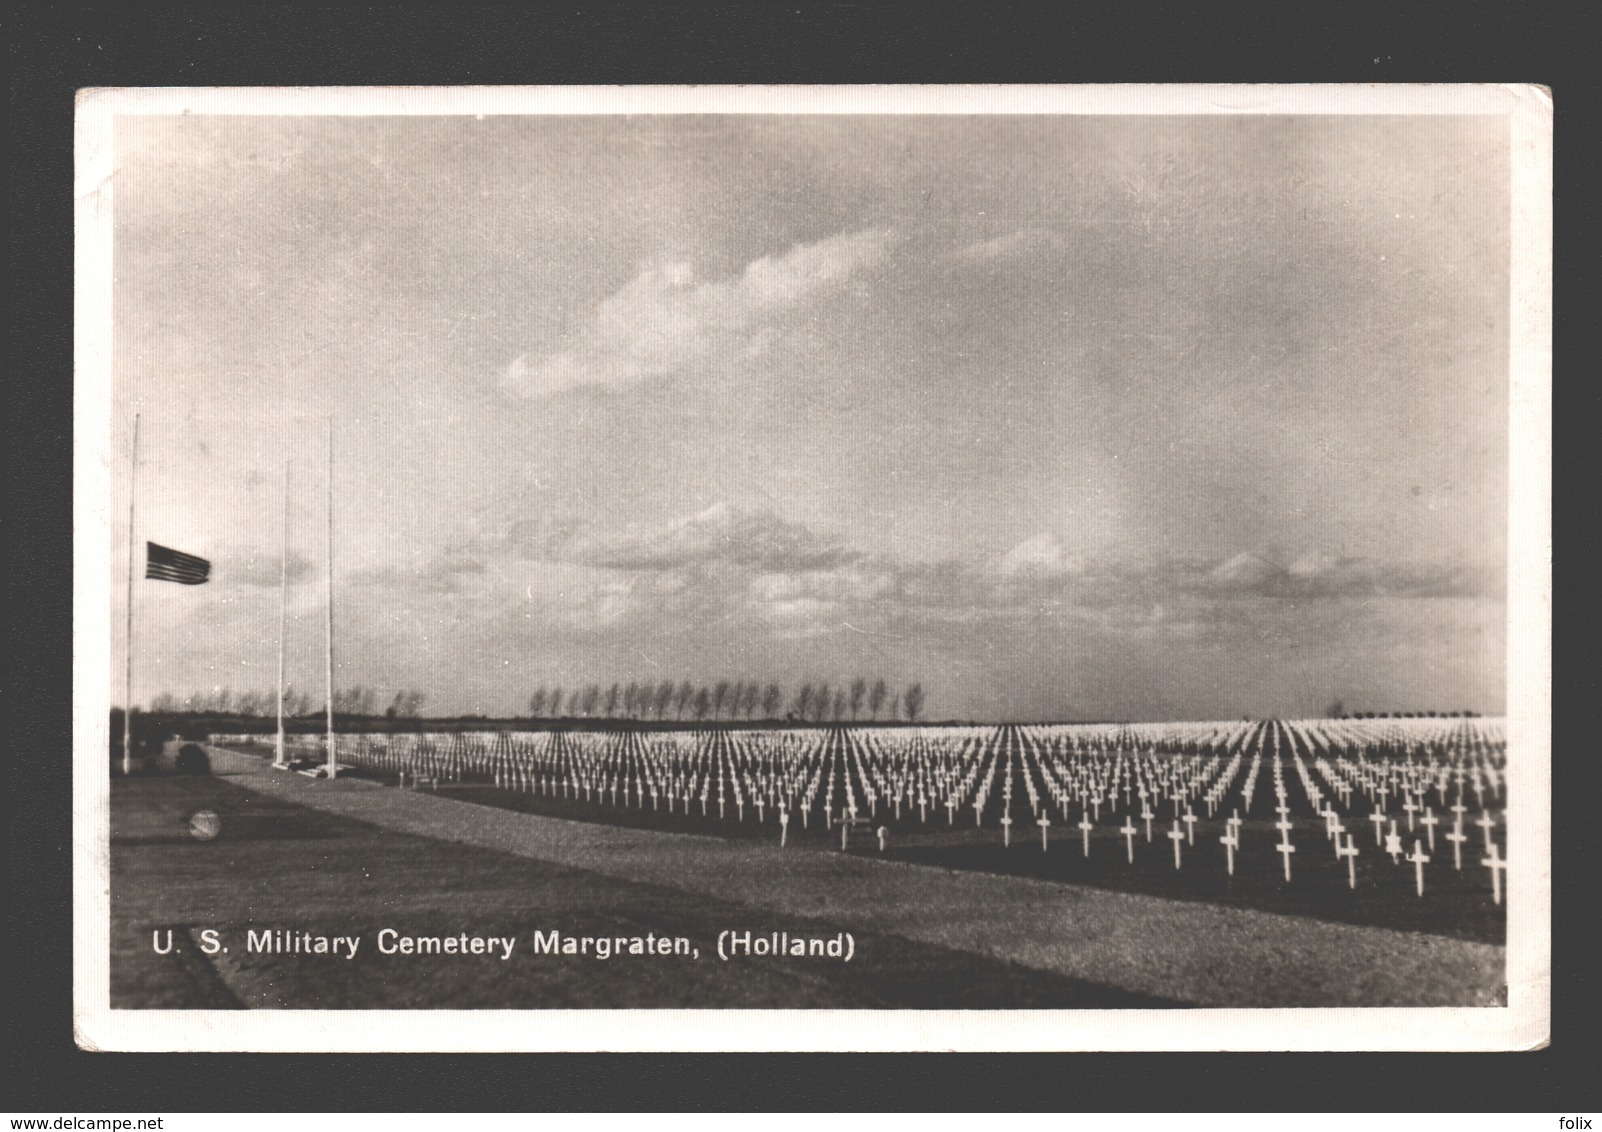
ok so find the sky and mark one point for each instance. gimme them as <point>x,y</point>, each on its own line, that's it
<point>1062,417</point>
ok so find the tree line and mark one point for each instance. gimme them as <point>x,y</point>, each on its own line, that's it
<point>730,700</point>
<point>724,700</point>
<point>356,700</point>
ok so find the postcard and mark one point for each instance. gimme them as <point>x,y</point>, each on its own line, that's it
<point>813,568</point>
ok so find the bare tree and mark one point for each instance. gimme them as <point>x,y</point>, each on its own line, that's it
<point>914,702</point>
<point>876,698</point>
<point>822,700</point>
<point>703,702</point>
<point>356,700</point>
<point>748,699</point>
<point>771,699</point>
<point>407,704</point>
<point>682,698</point>
<point>859,692</point>
<point>611,700</point>
<point>803,702</point>
<point>720,693</point>
<point>592,696</point>
<point>536,703</point>
<point>556,703</point>
<point>839,704</point>
<point>664,696</point>
<point>631,699</point>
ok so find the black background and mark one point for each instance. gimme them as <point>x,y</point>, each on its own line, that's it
<point>53,50</point>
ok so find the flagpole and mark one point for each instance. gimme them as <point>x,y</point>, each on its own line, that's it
<point>127,663</point>
<point>330,602</point>
<point>283,597</point>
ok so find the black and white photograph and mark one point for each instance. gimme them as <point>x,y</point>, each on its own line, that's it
<point>799,568</point>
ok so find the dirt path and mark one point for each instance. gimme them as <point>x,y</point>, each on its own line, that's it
<point>1201,953</point>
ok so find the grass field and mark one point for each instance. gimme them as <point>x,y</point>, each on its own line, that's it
<point>282,866</point>
<point>352,857</point>
<point>939,796</point>
<point>1456,904</point>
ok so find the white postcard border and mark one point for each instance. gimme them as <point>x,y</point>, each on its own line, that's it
<point>1524,1024</point>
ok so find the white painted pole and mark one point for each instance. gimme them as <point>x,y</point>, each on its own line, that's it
<point>283,599</point>
<point>330,596</point>
<point>127,667</point>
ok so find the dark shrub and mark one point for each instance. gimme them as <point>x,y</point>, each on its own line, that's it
<point>193,760</point>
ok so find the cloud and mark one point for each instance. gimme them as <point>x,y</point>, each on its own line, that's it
<point>439,575</point>
<point>753,575</point>
<point>1043,555</point>
<point>253,566</point>
<point>665,322</point>
<point>1029,241</point>
<point>1317,574</point>
<point>722,534</point>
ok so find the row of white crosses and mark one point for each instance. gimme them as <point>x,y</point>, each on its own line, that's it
<point>1126,774</point>
<point>1410,782</point>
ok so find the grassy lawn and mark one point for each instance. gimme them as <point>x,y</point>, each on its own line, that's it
<point>280,866</point>
<point>1455,904</point>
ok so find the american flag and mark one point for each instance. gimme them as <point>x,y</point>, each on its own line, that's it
<point>167,565</point>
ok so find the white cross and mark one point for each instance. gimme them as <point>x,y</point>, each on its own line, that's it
<point>1487,823</point>
<point>1177,835</point>
<point>951,811</point>
<point>1496,864</point>
<point>1350,853</point>
<point>883,834</point>
<point>784,827</point>
<point>1045,824</point>
<point>1457,837</point>
<point>1006,829</point>
<point>1190,826</point>
<point>1285,849</point>
<point>1085,826</point>
<point>978,810</point>
<point>1128,830</point>
<point>1146,815</point>
<point>1429,821</point>
<point>1230,843</point>
<point>1419,859</point>
<point>1411,809</point>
